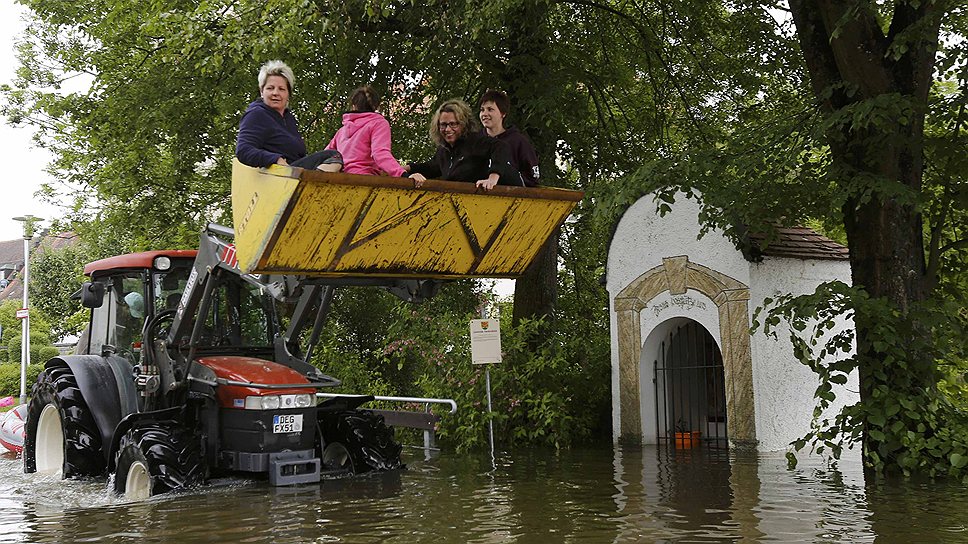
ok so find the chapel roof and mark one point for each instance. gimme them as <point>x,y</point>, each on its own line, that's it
<point>801,243</point>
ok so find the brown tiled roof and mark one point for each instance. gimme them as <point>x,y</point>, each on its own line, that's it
<point>801,243</point>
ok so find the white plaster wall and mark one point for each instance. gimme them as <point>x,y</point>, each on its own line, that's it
<point>782,386</point>
<point>641,240</point>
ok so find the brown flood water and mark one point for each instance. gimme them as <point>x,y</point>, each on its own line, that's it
<point>584,495</point>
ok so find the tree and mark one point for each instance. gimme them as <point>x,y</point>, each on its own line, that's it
<point>55,275</point>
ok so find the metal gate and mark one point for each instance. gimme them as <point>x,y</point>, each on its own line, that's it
<point>690,391</point>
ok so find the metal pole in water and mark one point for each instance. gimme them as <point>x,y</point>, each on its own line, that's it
<point>28,221</point>
<point>490,419</point>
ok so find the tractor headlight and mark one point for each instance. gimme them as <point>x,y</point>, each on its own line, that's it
<point>162,263</point>
<point>275,402</point>
<point>270,402</point>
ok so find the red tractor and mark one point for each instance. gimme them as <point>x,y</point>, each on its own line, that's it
<point>185,371</point>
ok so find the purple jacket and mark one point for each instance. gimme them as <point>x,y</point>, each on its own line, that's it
<point>523,157</point>
<point>364,142</point>
<point>264,136</point>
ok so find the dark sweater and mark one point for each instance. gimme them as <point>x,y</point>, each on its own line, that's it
<point>473,157</point>
<point>522,154</point>
<point>264,136</point>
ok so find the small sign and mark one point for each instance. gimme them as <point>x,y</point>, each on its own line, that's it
<point>22,313</point>
<point>485,341</point>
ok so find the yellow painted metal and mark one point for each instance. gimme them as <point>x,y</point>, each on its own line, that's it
<point>308,222</point>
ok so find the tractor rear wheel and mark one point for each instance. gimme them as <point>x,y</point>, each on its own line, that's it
<point>158,457</point>
<point>60,432</point>
<point>365,439</point>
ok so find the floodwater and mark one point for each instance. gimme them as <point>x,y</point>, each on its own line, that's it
<point>583,495</point>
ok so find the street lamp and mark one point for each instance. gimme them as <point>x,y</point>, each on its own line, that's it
<point>28,221</point>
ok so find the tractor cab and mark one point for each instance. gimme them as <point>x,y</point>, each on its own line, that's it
<point>126,290</point>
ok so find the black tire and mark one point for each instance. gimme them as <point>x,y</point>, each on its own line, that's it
<point>169,452</point>
<point>366,438</point>
<point>81,441</point>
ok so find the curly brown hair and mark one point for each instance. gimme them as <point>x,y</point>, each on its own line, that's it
<point>460,109</point>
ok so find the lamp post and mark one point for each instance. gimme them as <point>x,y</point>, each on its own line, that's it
<point>28,221</point>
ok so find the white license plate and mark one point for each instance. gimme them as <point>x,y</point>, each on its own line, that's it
<point>287,423</point>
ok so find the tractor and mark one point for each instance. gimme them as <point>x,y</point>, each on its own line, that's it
<point>192,364</point>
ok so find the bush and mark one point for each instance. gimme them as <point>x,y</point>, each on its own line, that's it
<point>10,378</point>
<point>39,346</point>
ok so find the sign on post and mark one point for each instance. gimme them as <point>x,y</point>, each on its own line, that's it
<point>22,313</point>
<point>485,341</point>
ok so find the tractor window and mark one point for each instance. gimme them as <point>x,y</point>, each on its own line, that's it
<point>129,301</point>
<point>118,322</point>
<point>169,286</point>
<point>239,316</point>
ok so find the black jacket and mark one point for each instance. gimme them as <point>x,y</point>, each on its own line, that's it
<point>473,157</point>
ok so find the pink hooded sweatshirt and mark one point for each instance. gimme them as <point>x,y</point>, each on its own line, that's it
<point>364,142</point>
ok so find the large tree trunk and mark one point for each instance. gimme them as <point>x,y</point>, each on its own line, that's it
<point>878,164</point>
<point>526,78</point>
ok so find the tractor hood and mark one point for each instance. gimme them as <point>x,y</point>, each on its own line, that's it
<point>256,372</point>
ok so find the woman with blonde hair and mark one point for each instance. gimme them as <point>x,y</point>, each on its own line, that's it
<point>268,133</point>
<point>364,139</point>
<point>463,152</point>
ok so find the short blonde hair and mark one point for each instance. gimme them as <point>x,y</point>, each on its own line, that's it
<point>276,68</point>
<point>460,109</point>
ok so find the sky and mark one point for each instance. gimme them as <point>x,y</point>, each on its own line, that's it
<point>23,162</point>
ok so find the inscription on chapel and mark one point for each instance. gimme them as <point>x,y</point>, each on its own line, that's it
<point>683,302</point>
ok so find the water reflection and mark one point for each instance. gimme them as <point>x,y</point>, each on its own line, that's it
<point>586,495</point>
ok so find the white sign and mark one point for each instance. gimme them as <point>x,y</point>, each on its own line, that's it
<point>22,313</point>
<point>485,341</point>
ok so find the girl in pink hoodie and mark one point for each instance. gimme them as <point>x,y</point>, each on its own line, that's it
<point>364,140</point>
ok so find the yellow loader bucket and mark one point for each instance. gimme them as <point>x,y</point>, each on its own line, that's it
<point>313,223</point>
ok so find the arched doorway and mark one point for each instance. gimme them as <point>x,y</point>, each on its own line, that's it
<point>679,276</point>
<point>690,389</point>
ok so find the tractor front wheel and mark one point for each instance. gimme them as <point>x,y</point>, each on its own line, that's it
<point>158,457</point>
<point>360,441</point>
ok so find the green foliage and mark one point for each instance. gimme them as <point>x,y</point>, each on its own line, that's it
<point>916,429</point>
<point>543,396</point>
<point>40,335</point>
<point>10,378</point>
<point>55,275</point>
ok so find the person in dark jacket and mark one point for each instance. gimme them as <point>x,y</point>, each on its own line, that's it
<point>495,106</point>
<point>464,153</point>
<point>268,133</point>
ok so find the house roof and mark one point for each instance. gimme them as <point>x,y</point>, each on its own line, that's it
<point>12,258</point>
<point>801,243</point>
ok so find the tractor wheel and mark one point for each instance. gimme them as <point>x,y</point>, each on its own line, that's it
<point>60,432</point>
<point>360,441</point>
<point>156,458</point>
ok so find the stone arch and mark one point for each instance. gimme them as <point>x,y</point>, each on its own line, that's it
<point>677,275</point>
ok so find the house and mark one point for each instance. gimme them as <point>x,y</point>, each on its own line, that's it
<point>12,260</point>
<point>685,365</point>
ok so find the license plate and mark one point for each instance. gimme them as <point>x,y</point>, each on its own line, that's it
<point>287,423</point>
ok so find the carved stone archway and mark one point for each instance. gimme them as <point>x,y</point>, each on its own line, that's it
<point>676,275</point>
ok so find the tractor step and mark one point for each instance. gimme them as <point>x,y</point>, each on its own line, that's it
<point>293,467</point>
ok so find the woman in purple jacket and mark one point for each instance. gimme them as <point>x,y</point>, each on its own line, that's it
<point>495,106</point>
<point>268,133</point>
<point>364,139</point>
